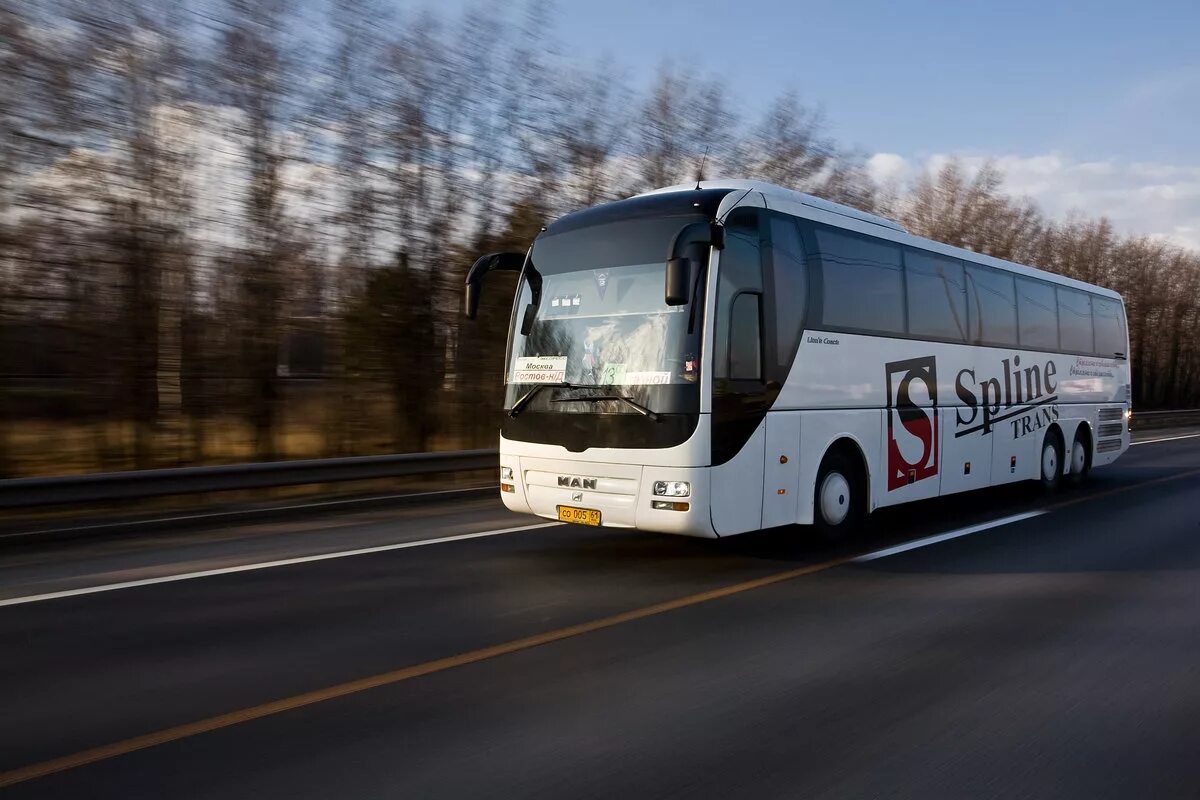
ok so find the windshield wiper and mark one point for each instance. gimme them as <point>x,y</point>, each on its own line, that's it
<point>524,399</point>
<point>596,398</point>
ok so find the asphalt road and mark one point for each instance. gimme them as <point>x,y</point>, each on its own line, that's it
<point>1057,655</point>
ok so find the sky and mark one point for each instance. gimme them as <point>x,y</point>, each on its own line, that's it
<point>1089,106</point>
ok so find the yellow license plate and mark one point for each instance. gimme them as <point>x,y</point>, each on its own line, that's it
<point>580,516</point>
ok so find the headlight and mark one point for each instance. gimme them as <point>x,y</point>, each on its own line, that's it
<point>672,489</point>
<point>506,473</point>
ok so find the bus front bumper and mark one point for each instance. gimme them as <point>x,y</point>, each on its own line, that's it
<point>623,494</point>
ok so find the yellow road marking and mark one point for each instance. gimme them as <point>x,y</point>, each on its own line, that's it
<point>178,732</point>
<point>187,730</point>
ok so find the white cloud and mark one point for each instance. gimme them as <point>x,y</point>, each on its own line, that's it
<point>1157,199</point>
<point>889,168</point>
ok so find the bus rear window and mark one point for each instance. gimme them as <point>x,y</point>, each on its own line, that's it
<point>1109,320</point>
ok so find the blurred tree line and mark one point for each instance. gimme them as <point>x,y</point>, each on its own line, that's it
<point>235,229</point>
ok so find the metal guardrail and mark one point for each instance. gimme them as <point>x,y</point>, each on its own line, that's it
<point>1147,420</point>
<point>134,484</point>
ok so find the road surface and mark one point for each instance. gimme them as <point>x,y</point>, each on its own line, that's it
<point>1000,644</point>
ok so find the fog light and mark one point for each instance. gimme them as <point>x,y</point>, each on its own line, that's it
<point>672,489</point>
<point>667,505</point>
<point>506,473</point>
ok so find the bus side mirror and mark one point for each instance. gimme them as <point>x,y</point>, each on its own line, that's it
<point>471,299</point>
<point>687,248</point>
<point>508,262</point>
<point>678,271</point>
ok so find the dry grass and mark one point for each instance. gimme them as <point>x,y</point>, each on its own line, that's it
<point>307,429</point>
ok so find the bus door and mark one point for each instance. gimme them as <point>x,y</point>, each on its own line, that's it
<point>740,397</point>
<point>786,274</point>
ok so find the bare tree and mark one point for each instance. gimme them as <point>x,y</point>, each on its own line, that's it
<point>194,204</point>
<point>592,125</point>
<point>254,78</point>
<point>135,78</point>
<point>789,146</point>
<point>676,123</point>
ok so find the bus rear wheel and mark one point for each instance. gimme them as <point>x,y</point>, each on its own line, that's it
<point>1081,460</point>
<point>1052,457</point>
<point>840,496</point>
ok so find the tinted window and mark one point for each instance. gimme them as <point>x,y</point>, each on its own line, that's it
<point>937,296</point>
<point>745,353</point>
<point>1074,321</point>
<point>1038,313</point>
<point>791,286</point>
<point>992,300</point>
<point>615,244</point>
<point>861,284</point>
<point>739,270</point>
<point>1109,318</point>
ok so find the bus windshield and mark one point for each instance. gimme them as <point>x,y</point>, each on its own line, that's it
<point>601,318</point>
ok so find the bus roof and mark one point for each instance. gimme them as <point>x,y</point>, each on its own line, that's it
<point>799,204</point>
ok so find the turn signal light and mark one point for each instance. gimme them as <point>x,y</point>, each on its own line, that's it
<point>507,487</point>
<point>667,505</point>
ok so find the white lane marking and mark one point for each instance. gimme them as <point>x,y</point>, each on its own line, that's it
<point>1165,439</point>
<point>942,537</point>
<point>249,512</point>
<point>285,562</point>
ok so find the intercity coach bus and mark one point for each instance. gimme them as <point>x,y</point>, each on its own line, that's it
<point>714,359</point>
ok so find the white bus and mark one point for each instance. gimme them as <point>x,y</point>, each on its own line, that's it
<point>714,359</point>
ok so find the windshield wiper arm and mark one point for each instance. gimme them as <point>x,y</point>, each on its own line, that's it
<point>524,399</point>
<point>596,398</point>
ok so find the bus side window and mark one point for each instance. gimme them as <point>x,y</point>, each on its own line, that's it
<point>739,275</point>
<point>1037,314</point>
<point>936,293</point>
<point>789,291</point>
<point>1075,321</point>
<point>745,337</point>
<point>992,298</point>
<point>862,283</point>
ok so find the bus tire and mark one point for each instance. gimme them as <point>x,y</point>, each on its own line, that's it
<point>1080,457</point>
<point>1051,460</point>
<point>840,497</point>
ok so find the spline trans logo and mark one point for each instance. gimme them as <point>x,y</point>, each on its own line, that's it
<point>912,424</point>
<point>912,417</point>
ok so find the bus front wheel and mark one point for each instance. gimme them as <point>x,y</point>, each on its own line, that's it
<point>840,496</point>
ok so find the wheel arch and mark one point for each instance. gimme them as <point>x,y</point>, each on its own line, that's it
<point>1054,428</point>
<point>853,448</point>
